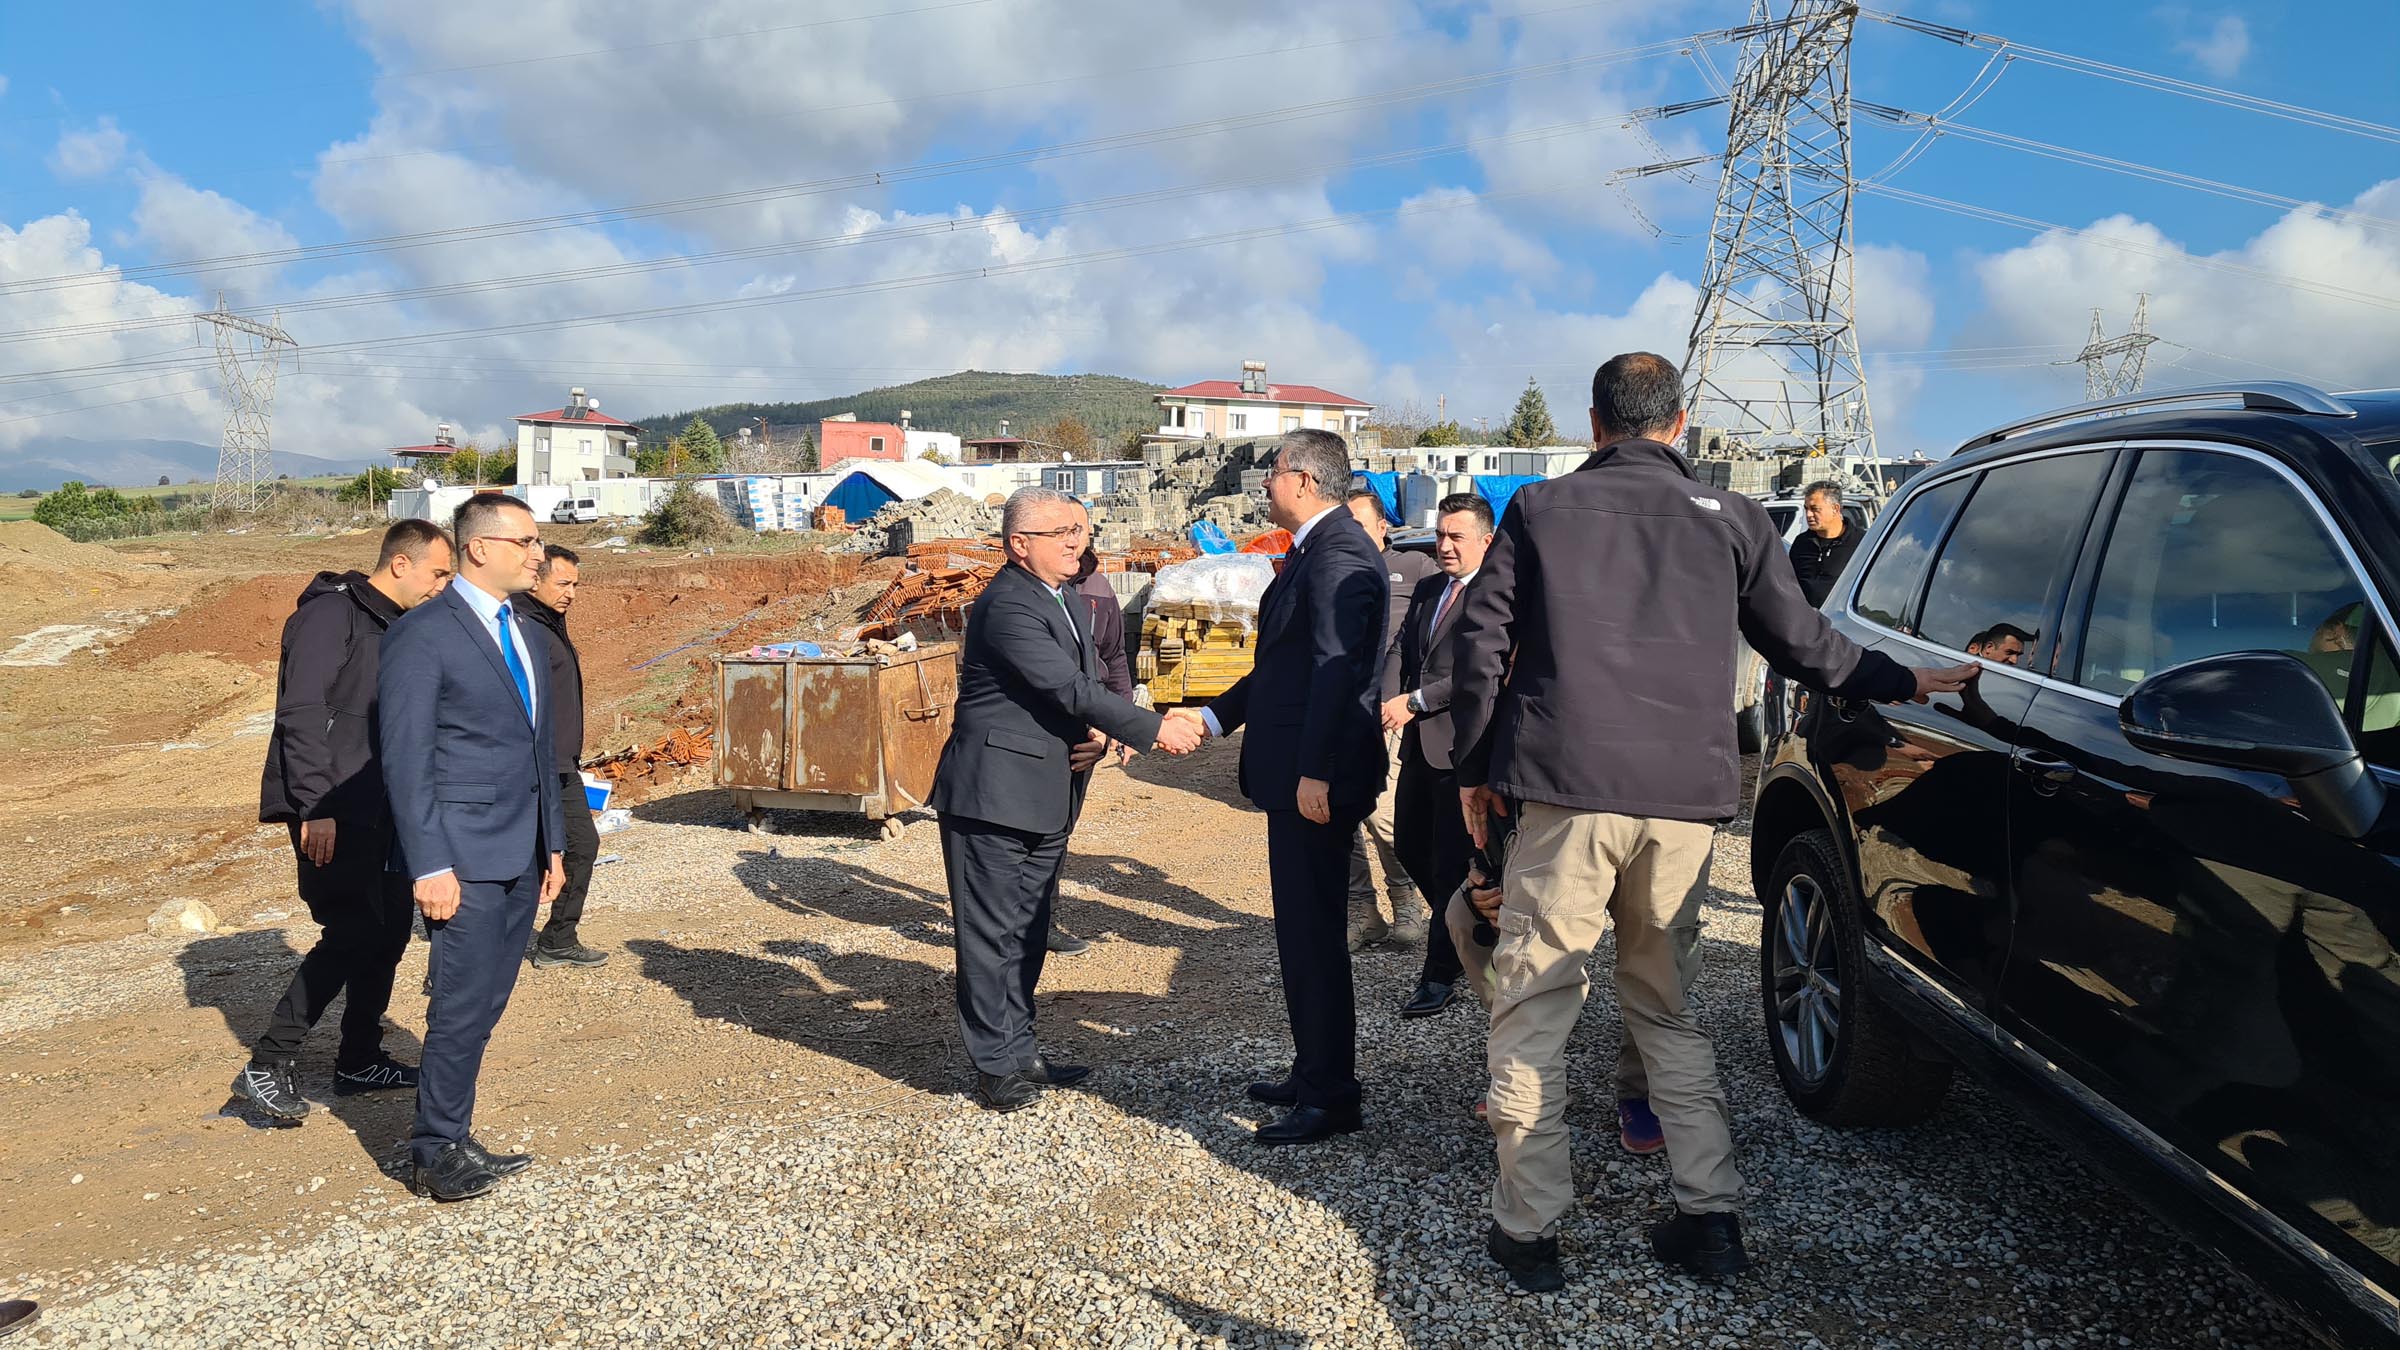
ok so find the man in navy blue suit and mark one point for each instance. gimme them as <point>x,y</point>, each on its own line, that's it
<point>1314,762</point>
<point>467,753</point>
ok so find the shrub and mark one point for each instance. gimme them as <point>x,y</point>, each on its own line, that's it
<point>684,518</point>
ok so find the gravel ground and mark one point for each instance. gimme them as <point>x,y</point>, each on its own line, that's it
<point>883,1209</point>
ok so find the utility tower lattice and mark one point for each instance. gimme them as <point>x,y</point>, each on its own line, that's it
<point>2133,348</point>
<point>246,361</point>
<point>1773,359</point>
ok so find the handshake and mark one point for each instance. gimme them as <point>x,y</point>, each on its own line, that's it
<point>1180,733</point>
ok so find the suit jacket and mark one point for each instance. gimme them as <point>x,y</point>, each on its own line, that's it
<point>1108,633</point>
<point>1029,685</point>
<point>473,785</point>
<point>1425,654</point>
<point>1311,691</point>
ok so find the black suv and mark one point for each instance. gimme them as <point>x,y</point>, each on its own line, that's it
<point>2143,875</point>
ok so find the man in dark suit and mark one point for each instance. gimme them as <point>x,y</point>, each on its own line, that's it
<point>1315,764</point>
<point>469,761</point>
<point>1032,719</point>
<point>1434,843</point>
<point>559,943</point>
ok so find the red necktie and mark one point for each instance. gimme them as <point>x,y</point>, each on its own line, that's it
<point>1449,593</point>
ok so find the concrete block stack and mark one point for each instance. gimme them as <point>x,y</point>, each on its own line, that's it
<point>943,514</point>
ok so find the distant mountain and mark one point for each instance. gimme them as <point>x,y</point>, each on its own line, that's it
<point>969,403</point>
<point>47,461</point>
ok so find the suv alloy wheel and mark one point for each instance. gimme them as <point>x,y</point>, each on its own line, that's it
<point>1844,1057</point>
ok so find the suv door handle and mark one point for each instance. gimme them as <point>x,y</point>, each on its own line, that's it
<point>2048,770</point>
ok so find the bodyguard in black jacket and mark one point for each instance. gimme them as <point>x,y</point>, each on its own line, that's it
<point>1314,762</point>
<point>322,779</point>
<point>558,943</point>
<point>1032,718</point>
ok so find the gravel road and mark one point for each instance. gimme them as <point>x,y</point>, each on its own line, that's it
<point>878,1207</point>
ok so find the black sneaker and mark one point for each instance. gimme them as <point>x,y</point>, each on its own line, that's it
<point>570,952</point>
<point>383,1074</point>
<point>1532,1266</point>
<point>1065,943</point>
<point>1703,1244</point>
<point>268,1085</point>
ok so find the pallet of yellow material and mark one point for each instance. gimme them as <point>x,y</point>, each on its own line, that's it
<point>1190,657</point>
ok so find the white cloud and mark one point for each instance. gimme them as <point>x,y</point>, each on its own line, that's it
<point>2219,47</point>
<point>1496,344</point>
<point>1450,230</point>
<point>89,153</point>
<point>2226,319</point>
<point>178,222</point>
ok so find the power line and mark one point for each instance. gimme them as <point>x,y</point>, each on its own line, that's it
<point>2084,65</point>
<point>879,286</point>
<point>1936,125</point>
<point>935,228</point>
<point>864,179</point>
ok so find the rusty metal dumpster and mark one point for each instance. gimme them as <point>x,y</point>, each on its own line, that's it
<point>856,734</point>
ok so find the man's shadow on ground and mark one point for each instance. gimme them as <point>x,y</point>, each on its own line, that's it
<point>243,976</point>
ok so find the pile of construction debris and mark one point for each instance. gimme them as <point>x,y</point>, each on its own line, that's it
<point>941,514</point>
<point>682,748</point>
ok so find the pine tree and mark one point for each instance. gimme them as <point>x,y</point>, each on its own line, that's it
<point>702,451</point>
<point>1530,424</point>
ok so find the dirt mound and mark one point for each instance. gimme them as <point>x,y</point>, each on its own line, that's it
<point>33,544</point>
<point>239,621</point>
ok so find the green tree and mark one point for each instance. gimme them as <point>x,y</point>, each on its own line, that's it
<point>808,452</point>
<point>702,451</point>
<point>1071,437</point>
<point>1442,433</point>
<point>74,503</point>
<point>375,485</point>
<point>685,517</point>
<point>1530,424</point>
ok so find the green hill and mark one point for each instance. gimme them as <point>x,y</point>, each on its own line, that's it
<point>969,403</point>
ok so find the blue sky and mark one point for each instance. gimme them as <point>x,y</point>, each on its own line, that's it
<point>203,133</point>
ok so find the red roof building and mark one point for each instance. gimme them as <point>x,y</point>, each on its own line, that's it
<point>574,444</point>
<point>1252,407</point>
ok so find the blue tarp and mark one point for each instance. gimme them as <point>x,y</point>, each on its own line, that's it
<point>1497,488</point>
<point>1209,539</point>
<point>860,496</point>
<point>1387,491</point>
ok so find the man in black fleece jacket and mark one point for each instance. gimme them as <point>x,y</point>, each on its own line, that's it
<point>1593,666</point>
<point>323,780</point>
<point>557,943</point>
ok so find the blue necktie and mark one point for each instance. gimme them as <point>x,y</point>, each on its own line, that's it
<point>516,665</point>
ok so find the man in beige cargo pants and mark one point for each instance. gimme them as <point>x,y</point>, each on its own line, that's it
<point>1593,669</point>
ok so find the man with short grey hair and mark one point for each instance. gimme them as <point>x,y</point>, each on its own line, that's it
<point>1032,718</point>
<point>1315,766</point>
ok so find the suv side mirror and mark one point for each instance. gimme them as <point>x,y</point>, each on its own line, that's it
<point>2264,712</point>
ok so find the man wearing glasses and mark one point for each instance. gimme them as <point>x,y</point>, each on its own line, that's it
<point>1314,762</point>
<point>1032,719</point>
<point>467,752</point>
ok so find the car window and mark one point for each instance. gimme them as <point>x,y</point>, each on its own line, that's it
<point>1888,592</point>
<point>1990,591</point>
<point>2375,712</point>
<point>2216,553</point>
<point>1782,516</point>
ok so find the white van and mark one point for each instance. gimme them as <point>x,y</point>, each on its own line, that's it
<point>576,511</point>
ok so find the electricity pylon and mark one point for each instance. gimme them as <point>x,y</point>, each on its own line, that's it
<point>1773,358</point>
<point>2132,350</point>
<point>246,361</point>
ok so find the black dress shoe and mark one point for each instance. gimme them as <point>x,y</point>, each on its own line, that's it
<point>1282,1092</point>
<point>18,1314</point>
<point>1431,997</point>
<point>456,1173</point>
<point>1308,1125</point>
<point>1703,1244</point>
<point>502,1164</point>
<point>1532,1266</point>
<point>1006,1091</point>
<point>1054,1075</point>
